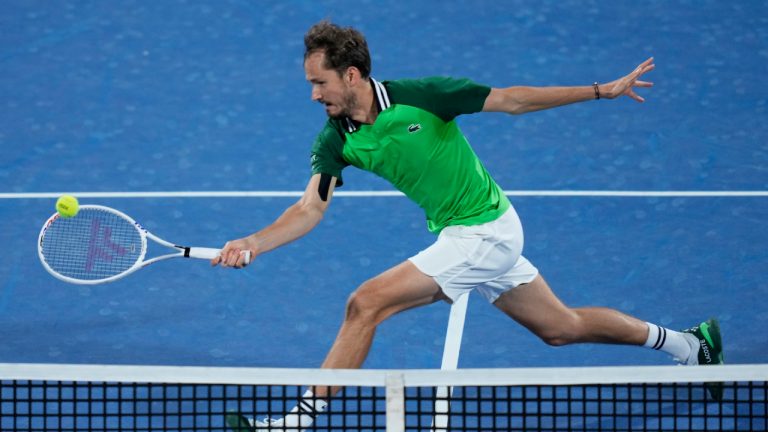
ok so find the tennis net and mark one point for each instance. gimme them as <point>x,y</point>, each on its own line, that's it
<point>143,398</point>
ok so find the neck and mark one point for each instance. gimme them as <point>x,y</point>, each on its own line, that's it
<point>366,110</point>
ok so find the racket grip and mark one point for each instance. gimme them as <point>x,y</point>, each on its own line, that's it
<point>211,253</point>
<point>203,253</point>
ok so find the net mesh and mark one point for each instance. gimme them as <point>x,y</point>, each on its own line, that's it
<point>104,405</point>
<point>95,244</point>
<point>600,407</point>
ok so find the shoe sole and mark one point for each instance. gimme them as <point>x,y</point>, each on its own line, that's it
<point>715,339</point>
<point>712,334</point>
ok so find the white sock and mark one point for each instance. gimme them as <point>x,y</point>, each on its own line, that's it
<point>671,342</point>
<point>303,414</point>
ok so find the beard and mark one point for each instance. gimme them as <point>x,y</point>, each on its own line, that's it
<point>348,104</point>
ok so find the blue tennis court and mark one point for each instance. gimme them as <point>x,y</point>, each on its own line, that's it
<point>116,98</point>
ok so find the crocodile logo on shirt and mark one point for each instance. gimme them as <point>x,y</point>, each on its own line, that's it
<point>414,128</point>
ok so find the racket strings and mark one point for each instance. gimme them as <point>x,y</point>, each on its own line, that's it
<point>95,244</point>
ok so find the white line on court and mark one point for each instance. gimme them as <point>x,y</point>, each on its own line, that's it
<point>390,193</point>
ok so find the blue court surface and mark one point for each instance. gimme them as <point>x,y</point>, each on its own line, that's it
<point>174,96</point>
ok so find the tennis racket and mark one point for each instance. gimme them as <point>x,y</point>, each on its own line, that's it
<point>100,244</point>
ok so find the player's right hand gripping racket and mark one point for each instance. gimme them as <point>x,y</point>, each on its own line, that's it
<point>100,244</point>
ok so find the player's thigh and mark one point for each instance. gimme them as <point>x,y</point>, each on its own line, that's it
<point>399,288</point>
<point>535,306</point>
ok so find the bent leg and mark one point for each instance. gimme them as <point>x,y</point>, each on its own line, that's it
<point>397,289</point>
<point>536,307</point>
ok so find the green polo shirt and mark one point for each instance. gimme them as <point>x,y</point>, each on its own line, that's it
<point>416,145</point>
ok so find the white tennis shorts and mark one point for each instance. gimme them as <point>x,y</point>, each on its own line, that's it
<point>485,257</point>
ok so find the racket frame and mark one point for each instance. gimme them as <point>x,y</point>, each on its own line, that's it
<point>181,251</point>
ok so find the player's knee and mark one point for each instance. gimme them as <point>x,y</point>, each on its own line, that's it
<point>362,306</point>
<point>555,339</point>
<point>560,333</point>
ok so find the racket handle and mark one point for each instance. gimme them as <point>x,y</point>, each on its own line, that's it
<point>211,253</point>
<point>202,253</point>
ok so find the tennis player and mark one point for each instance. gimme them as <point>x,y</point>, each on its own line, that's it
<point>404,131</point>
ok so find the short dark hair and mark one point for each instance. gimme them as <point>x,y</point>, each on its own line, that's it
<point>343,47</point>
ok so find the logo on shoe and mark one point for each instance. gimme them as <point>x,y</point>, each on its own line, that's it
<point>705,350</point>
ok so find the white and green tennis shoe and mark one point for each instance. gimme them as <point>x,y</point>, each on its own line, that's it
<point>706,349</point>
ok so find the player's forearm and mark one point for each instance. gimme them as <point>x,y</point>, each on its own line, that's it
<point>295,222</point>
<point>520,100</point>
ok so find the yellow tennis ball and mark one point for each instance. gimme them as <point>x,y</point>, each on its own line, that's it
<point>67,206</point>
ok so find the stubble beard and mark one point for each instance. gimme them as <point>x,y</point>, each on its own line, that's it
<point>349,101</point>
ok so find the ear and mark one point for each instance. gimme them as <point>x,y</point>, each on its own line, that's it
<point>352,76</point>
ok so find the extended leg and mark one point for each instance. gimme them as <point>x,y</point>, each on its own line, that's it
<point>536,307</point>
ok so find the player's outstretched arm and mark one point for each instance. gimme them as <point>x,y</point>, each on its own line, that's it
<point>296,221</point>
<point>520,99</point>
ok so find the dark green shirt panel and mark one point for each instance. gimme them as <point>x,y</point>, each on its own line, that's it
<point>445,97</point>
<point>327,151</point>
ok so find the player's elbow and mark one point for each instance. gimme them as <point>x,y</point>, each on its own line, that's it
<point>506,101</point>
<point>311,212</point>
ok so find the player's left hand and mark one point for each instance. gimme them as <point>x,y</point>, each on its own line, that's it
<point>625,86</point>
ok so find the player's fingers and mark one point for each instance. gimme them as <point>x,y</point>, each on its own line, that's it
<point>222,258</point>
<point>642,72</point>
<point>646,64</point>
<point>233,257</point>
<point>643,84</point>
<point>241,261</point>
<point>642,69</point>
<point>635,96</point>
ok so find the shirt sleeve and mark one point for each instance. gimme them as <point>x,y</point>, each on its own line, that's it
<point>443,96</point>
<point>327,152</point>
